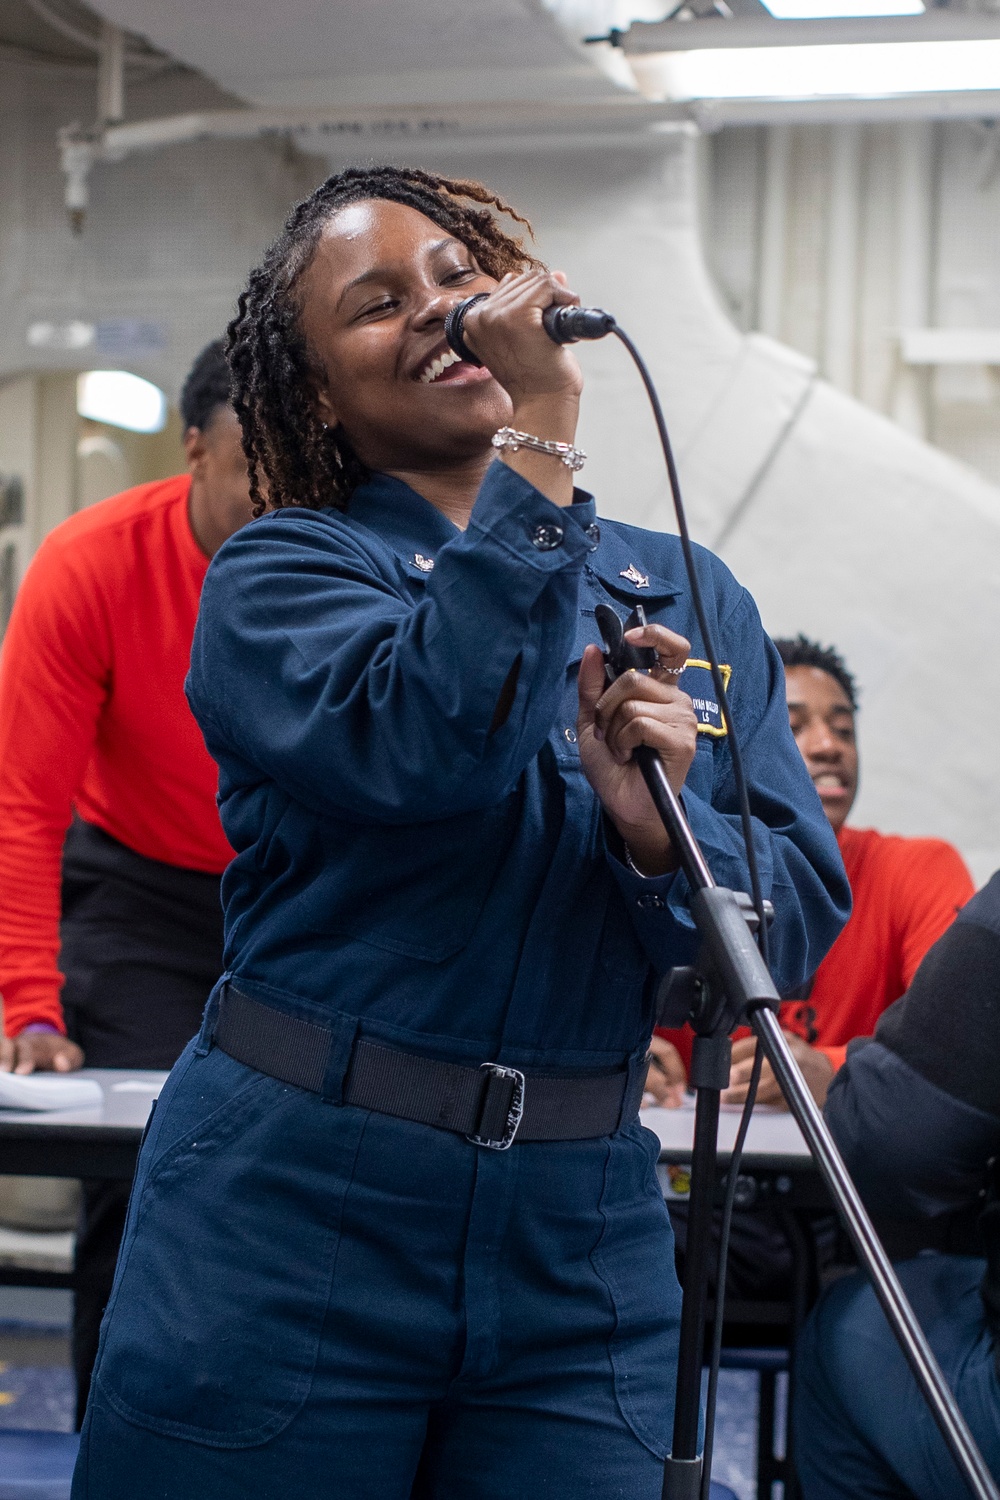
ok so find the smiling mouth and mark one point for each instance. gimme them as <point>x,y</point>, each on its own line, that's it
<point>829,785</point>
<point>437,366</point>
<point>445,367</point>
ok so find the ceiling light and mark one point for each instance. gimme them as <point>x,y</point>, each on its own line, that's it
<point>867,70</point>
<point>822,10</point>
<point>121,400</point>
<point>73,335</point>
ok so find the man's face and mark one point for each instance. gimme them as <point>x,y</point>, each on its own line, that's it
<point>822,721</point>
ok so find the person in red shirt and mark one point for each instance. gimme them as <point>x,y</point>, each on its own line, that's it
<point>112,849</point>
<point>906,892</point>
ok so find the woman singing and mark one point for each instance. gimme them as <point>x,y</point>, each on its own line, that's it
<point>396,1229</point>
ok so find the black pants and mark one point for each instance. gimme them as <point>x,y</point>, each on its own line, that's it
<point>141,949</point>
<point>776,1256</point>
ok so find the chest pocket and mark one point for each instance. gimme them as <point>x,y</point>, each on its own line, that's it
<point>603,585</point>
<point>623,587</point>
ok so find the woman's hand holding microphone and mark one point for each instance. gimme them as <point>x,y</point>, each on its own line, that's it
<point>542,379</point>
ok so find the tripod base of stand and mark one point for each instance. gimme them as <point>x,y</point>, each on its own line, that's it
<point>682,1478</point>
<point>687,1478</point>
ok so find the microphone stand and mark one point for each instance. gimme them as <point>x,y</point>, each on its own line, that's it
<point>730,985</point>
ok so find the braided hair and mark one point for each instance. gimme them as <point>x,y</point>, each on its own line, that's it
<point>292,456</point>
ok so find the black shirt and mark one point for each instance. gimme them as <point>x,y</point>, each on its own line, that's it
<point>916,1109</point>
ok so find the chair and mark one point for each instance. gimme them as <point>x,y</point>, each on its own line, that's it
<point>769,1364</point>
<point>37,1465</point>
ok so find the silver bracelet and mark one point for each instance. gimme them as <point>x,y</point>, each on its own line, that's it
<point>508,438</point>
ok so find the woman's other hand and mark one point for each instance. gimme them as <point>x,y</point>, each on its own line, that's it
<point>667,1076</point>
<point>639,709</point>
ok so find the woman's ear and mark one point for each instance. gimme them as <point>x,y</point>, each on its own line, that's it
<point>325,411</point>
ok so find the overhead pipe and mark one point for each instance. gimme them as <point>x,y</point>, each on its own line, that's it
<point>112,140</point>
<point>82,148</point>
<point>936,25</point>
<point>111,75</point>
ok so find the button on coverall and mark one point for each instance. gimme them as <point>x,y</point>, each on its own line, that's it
<point>323,1301</point>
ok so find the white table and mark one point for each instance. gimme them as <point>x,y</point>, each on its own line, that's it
<point>776,1164</point>
<point>772,1134</point>
<point>102,1141</point>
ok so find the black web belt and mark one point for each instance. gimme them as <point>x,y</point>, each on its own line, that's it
<point>491,1104</point>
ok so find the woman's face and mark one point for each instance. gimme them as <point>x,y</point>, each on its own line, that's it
<point>374,300</point>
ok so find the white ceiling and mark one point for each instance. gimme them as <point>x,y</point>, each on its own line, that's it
<point>354,52</point>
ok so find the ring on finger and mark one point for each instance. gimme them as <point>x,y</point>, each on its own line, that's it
<point>670,671</point>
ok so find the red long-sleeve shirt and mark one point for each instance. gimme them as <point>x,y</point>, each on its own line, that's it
<point>906,894</point>
<point>93,716</point>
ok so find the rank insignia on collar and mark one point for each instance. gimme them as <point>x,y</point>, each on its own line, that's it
<point>425,564</point>
<point>633,575</point>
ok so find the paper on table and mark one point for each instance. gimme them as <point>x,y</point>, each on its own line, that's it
<point>41,1091</point>
<point>725,1109</point>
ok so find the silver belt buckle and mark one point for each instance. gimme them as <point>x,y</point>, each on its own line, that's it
<point>514,1113</point>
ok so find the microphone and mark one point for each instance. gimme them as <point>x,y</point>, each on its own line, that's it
<point>568,325</point>
<point>564,325</point>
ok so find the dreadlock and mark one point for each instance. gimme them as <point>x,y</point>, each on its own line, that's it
<point>802,652</point>
<point>290,453</point>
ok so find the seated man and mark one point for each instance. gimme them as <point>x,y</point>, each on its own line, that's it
<point>94,722</point>
<point>906,893</point>
<point>916,1113</point>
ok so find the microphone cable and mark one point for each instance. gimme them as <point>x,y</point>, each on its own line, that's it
<point>757,896</point>
<point>721,1271</point>
<point>697,599</point>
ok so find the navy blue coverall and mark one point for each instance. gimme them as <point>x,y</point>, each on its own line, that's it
<point>318,1300</point>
